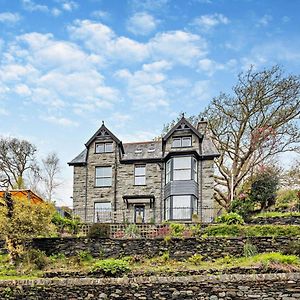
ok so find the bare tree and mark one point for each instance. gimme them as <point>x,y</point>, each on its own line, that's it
<point>16,158</point>
<point>252,126</point>
<point>51,171</point>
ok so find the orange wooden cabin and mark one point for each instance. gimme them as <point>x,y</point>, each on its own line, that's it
<point>26,195</point>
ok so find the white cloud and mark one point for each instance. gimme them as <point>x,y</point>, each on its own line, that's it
<point>210,66</point>
<point>201,90</point>
<point>59,121</point>
<point>141,23</point>
<point>178,46</point>
<point>32,6</point>
<point>55,74</point>
<point>207,22</point>
<point>8,17</point>
<point>100,14</point>
<point>264,21</point>
<point>151,5</point>
<point>69,5</point>
<point>146,87</point>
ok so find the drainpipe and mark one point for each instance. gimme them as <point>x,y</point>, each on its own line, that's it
<point>115,180</point>
<point>86,183</point>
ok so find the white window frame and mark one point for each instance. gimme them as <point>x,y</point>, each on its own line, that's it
<point>97,177</point>
<point>180,139</point>
<point>139,176</point>
<point>104,147</point>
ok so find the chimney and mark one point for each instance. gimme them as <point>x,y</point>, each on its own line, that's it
<point>201,127</point>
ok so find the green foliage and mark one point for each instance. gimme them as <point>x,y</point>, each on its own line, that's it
<point>224,230</point>
<point>196,259</point>
<point>177,229</point>
<point>27,221</point>
<point>276,214</point>
<point>65,224</point>
<point>230,218</point>
<point>84,256</point>
<point>112,267</point>
<point>287,200</point>
<point>132,231</point>
<point>99,230</point>
<point>293,248</point>
<point>276,257</point>
<point>249,249</point>
<point>242,207</point>
<point>36,258</point>
<point>264,187</point>
<point>165,256</point>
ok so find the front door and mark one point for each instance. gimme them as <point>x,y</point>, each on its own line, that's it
<point>139,214</point>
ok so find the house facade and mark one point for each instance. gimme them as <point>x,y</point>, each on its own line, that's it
<point>146,182</point>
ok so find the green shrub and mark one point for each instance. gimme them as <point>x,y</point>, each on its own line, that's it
<point>275,257</point>
<point>224,230</point>
<point>84,256</point>
<point>111,267</point>
<point>287,200</point>
<point>35,257</point>
<point>99,230</point>
<point>66,224</point>
<point>196,259</point>
<point>132,231</point>
<point>249,249</point>
<point>230,218</point>
<point>177,229</point>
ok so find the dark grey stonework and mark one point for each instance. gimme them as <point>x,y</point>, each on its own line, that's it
<point>222,287</point>
<point>292,220</point>
<point>210,248</point>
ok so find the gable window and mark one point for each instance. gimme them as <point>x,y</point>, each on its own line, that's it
<point>102,211</point>
<point>180,142</point>
<point>103,176</point>
<point>104,147</point>
<point>181,168</point>
<point>139,174</point>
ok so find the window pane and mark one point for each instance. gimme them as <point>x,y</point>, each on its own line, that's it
<point>186,141</point>
<point>182,162</point>
<point>182,207</point>
<point>176,142</point>
<point>103,171</point>
<point>108,147</point>
<point>140,180</point>
<point>182,175</point>
<point>100,148</point>
<point>140,170</point>
<point>103,212</point>
<point>167,204</point>
<point>106,181</point>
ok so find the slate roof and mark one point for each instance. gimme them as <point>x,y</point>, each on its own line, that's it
<point>142,150</point>
<point>208,148</point>
<point>79,159</point>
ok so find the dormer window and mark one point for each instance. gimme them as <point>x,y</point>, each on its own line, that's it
<point>181,142</point>
<point>104,147</point>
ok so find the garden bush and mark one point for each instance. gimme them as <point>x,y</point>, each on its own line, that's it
<point>36,258</point>
<point>111,267</point>
<point>249,250</point>
<point>230,218</point>
<point>99,230</point>
<point>224,230</point>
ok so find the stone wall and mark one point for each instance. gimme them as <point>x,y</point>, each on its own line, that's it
<point>229,287</point>
<point>210,248</point>
<point>289,220</point>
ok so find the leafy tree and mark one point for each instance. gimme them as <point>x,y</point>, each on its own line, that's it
<point>16,157</point>
<point>20,221</point>
<point>252,126</point>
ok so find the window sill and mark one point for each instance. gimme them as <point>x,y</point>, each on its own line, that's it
<point>181,147</point>
<point>103,152</point>
<point>105,186</point>
<point>140,185</point>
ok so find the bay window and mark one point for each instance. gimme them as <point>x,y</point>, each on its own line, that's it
<point>181,168</point>
<point>180,207</point>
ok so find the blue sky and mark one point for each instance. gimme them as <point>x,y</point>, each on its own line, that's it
<point>67,65</point>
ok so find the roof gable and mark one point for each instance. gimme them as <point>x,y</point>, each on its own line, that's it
<point>183,124</point>
<point>104,132</point>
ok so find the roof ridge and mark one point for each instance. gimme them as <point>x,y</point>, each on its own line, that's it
<point>145,142</point>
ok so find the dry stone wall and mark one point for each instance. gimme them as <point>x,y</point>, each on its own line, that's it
<point>223,287</point>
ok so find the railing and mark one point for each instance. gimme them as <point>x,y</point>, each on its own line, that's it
<point>146,216</point>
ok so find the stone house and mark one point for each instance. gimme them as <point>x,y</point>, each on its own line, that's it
<point>146,182</point>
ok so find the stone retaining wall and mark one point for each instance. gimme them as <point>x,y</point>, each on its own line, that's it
<point>292,220</point>
<point>229,287</point>
<point>210,248</point>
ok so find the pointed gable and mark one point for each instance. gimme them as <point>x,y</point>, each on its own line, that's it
<point>104,132</point>
<point>182,124</point>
